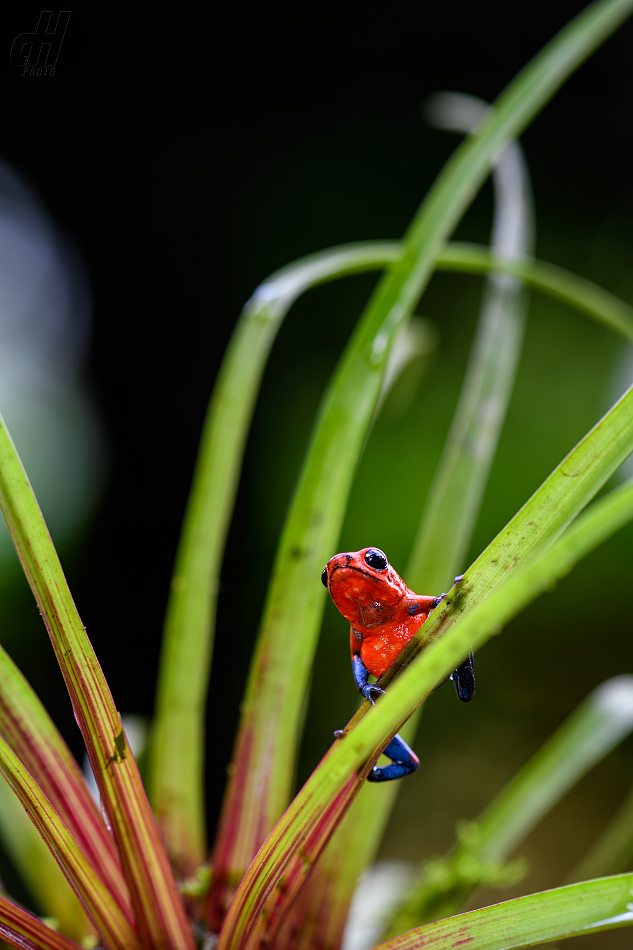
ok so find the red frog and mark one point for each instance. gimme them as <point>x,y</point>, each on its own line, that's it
<point>383,614</point>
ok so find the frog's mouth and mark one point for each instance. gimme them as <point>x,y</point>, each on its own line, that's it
<point>375,582</point>
<point>358,570</point>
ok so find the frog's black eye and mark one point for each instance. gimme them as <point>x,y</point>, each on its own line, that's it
<point>324,577</point>
<point>376,559</point>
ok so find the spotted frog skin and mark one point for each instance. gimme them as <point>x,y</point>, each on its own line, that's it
<point>383,614</point>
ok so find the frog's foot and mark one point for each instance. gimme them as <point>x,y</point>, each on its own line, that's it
<point>338,733</point>
<point>458,578</point>
<point>371,692</point>
<point>403,762</point>
<point>438,601</point>
<point>464,679</point>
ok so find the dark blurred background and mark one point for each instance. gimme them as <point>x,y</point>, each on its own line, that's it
<point>182,158</point>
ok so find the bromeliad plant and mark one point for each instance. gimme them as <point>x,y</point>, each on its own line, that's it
<point>282,872</point>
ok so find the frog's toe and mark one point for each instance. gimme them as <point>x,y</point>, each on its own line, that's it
<point>371,692</point>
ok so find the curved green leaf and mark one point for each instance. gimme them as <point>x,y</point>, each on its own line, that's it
<point>571,911</point>
<point>549,279</point>
<point>51,894</point>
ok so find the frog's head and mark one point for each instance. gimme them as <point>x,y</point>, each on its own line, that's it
<point>364,586</point>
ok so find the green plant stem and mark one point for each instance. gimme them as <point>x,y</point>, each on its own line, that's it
<point>481,610</point>
<point>590,907</point>
<point>586,737</point>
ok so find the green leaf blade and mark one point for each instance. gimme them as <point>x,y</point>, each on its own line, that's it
<point>177,747</point>
<point>116,930</point>
<point>30,733</point>
<point>158,908</point>
<point>48,888</point>
<point>590,907</point>
<point>22,929</point>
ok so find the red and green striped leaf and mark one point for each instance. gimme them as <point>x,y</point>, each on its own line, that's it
<point>51,895</point>
<point>31,734</point>
<point>115,929</point>
<point>21,929</point>
<point>571,911</point>
<point>159,910</point>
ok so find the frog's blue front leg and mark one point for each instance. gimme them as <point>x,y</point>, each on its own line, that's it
<point>403,759</point>
<point>361,676</point>
<point>464,679</point>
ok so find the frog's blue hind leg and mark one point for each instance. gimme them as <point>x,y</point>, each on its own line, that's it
<point>403,762</point>
<point>403,759</point>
